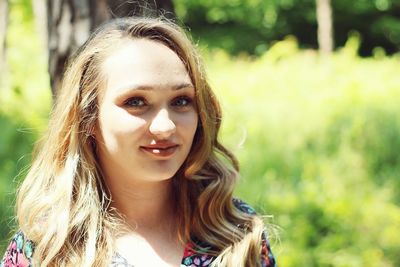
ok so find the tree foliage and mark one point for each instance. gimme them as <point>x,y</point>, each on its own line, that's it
<point>24,105</point>
<point>253,25</point>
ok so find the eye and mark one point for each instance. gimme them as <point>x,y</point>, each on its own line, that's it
<point>135,102</point>
<point>182,101</point>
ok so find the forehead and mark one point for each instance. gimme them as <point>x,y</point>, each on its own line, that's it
<point>142,62</point>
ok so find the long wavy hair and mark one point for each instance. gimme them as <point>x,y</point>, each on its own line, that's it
<point>63,205</point>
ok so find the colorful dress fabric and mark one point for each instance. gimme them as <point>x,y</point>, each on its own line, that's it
<point>19,252</point>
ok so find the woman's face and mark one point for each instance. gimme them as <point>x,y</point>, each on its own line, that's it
<point>147,113</point>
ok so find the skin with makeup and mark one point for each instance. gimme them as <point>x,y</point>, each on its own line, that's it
<point>147,121</point>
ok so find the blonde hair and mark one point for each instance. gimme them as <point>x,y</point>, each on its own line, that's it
<point>63,205</point>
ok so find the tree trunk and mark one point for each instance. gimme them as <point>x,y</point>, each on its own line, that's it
<point>3,32</point>
<point>39,12</point>
<point>325,31</point>
<point>70,23</point>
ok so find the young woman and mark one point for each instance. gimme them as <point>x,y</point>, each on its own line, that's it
<point>131,172</point>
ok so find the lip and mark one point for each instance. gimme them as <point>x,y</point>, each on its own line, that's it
<point>161,150</point>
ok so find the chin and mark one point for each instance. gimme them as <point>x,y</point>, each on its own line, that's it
<point>164,175</point>
<point>166,169</point>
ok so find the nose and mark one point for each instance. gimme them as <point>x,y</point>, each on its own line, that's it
<point>161,125</point>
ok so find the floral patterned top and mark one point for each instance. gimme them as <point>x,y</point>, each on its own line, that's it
<point>19,252</point>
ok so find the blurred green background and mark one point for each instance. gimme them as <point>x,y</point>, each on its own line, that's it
<point>318,137</point>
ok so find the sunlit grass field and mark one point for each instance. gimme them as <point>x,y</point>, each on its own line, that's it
<point>318,139</point>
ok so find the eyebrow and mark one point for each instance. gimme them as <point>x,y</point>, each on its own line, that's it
<point>134,87</point>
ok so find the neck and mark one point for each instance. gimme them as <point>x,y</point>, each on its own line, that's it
<point>146,205</point>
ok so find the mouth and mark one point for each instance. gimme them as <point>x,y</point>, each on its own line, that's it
<point>161,150</point>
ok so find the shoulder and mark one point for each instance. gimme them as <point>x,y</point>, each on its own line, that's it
<point>243,206</point>
<point>267,258</point>
<point>19,252</point>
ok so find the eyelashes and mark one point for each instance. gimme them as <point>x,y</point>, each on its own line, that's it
<point>178,103</point>
<point>182,101</point>
<point>135,102</point>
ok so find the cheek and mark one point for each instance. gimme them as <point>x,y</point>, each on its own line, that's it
<point>116,123</point>
<point>189,123</point>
